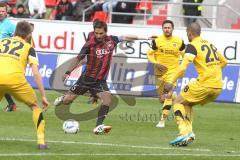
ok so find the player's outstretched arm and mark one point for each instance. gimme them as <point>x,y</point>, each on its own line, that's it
<point>180,71</point>
<point>134,37</point>
<point>76,63</point>
<point>38,80</point>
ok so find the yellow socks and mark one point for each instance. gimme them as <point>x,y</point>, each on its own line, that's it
<point>39,124</point>
<point>180,114</point>
<point>189,117</point>
<point>166,109</point>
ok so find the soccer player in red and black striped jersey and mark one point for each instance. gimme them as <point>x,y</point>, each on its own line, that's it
<point>97,52</point>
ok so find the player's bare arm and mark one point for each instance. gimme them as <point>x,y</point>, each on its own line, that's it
<point>134,37</point>
<point>76,63</point>
<point>38,80</point>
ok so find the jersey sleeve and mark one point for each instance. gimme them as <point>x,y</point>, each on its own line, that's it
<point>180,71</point>
<point>32,56</point>
<point>182,46</point>
<point>90,34</point>
<point>84,51</point>
<point>154,46</point>
<point>117,39</point>
<point>190,52</point>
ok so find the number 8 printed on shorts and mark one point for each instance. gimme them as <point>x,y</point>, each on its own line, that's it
<point>186,88</point>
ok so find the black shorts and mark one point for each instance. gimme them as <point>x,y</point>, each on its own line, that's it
<point>90,84</point>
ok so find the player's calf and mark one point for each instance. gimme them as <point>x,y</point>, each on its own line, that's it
<point>10,108</point>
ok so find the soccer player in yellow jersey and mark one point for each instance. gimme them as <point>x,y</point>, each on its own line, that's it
<point>206,88</point>
<point>7,29</point>
<point>165,55</point>
<point>15,54</point>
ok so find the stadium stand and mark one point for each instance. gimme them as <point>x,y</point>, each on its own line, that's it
<point>157,20</point>
<point>11,2</point>
<point>100,15</point>
<point>236,25</point>
<point>51,3</point>
<point>147,12</point>
<point>229,13</point>
<point>144,5</point>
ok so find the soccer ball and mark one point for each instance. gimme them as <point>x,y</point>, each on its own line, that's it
<point>71,126</point>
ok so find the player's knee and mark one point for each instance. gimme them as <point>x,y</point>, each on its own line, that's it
<point>107,102</point>
<point>33,105</point>
<point>161,98</point>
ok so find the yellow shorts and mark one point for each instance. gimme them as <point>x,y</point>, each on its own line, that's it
<point>161,81</point>
<point>198,94</point>
<point>22,91</point>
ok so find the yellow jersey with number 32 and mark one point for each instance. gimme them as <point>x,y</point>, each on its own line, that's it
<point>206,59</point>
<point>15,54</point>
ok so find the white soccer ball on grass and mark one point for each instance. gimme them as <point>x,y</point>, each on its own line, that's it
<point>70,126</point>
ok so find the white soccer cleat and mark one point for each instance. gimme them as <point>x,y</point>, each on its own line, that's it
<point>58,101</point>
<point>102,129</point>
<point>161,124</point>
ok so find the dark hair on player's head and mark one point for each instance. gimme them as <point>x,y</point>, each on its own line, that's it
<point>99,24</point>
<point>168,21</point>
<point>23,29</point>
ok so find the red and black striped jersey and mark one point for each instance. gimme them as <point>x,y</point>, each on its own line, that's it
<point>99,55</point>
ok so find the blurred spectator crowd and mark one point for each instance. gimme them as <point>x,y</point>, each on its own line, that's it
<point>73,9</point>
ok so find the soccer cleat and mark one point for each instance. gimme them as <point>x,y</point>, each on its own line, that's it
<point>191,138</point>
<point>58,101</point>
<point>183,140</point>
<point>192,135</point>
<point>161,124</point>
<point>102,129</point>
<point>179,141</point>
<point>187,141</point>
<point>10,108</point>
<point>42,146</point>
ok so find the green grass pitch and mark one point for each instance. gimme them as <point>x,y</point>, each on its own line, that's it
<point>134,135</point>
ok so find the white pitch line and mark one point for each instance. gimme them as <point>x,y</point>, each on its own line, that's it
<point>112,154</point>
<point>110,144</point>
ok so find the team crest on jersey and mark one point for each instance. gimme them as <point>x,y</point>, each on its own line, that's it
<point>100,52</point>
<point>174,44</point>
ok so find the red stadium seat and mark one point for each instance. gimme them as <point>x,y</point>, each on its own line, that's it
<point>51,3</point>
<point>157,20</point>
<point>100,15</point>
<point>236,25</point>
<point>144,5</point>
